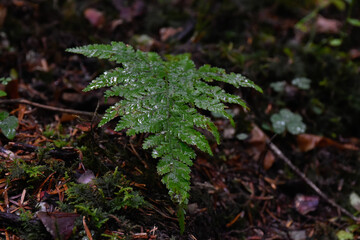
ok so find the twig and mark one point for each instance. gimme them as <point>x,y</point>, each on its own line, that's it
<point>51,108</point>
<point>13,220</point>
<point>279,154</point>
<point>64,153</point>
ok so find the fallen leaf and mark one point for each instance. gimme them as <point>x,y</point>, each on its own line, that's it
<point>228,133</point>
<point>355,201</point>
<point>143,42</point>
<point>85,127</point>
<point>86,177</point>
<point>166,33</point>
<point>298,235</point>
<point>115,23</point>
<point>257,136</point>
<point>66,117</point>
<point>269,160</point>
<point>307,142</point>
<point>129,12</point>
<point>325,25</point>
<point>193,208</point>
<point>305,204</point>
<point>258,141</point>
<point>95,17</point>
<point>59,224</point>
<point>354,53</point>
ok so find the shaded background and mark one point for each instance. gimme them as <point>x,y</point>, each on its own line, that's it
<point>271,42</point>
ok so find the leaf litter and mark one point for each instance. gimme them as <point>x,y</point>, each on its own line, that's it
<point>244,191</point>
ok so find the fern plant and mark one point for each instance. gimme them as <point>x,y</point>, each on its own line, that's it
<point>163,97</point>
<point>8,124</point>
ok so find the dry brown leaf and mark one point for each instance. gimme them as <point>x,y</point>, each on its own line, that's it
<point>354,53</point>
<point>257,136</point>
<point>115,23</point>
<point>166,33</point>
<point>307,142</point>
<point>58,224</point>
<point>87,177</point>
<point>305,204</point>
<point>129,11</point>
<point>325,25</point>
<point>269,160</point>
<point>95,17</point>
<point>66,117</point>
<point>85,127</point>
<point>258,141</point>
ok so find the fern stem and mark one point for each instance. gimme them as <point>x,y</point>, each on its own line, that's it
<point>168,106</point>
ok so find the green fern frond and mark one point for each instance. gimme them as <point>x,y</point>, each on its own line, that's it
<point>162,97</point>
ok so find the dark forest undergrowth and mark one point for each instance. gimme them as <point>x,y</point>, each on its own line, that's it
<point>95,183</point>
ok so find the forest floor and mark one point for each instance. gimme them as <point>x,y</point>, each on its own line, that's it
<point>96,183</point>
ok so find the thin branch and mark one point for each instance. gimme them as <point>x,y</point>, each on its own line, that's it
<point>50,108</point>
<point>280,155</point>
<point>13,220</point>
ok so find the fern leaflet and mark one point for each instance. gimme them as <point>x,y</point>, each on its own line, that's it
<point>162,97</point>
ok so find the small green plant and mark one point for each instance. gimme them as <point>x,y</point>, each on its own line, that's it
<point>21,169</point>
<point>287,120</point>
<point>344,235</point>
<point>8,124</point>
<point>302,83</point>
<point>109,194</point>
<point>163,97</point>
<point>4,81</point>
<point>59,139</point>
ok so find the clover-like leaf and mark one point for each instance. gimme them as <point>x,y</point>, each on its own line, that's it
<point>3,115</point>
<point>4,80</point>
<point>287,120</point>
<point>301,82</point>
<point>278,123</point>
<point>296,127</point>
<point>278,86</point>
<point>344,235</point>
